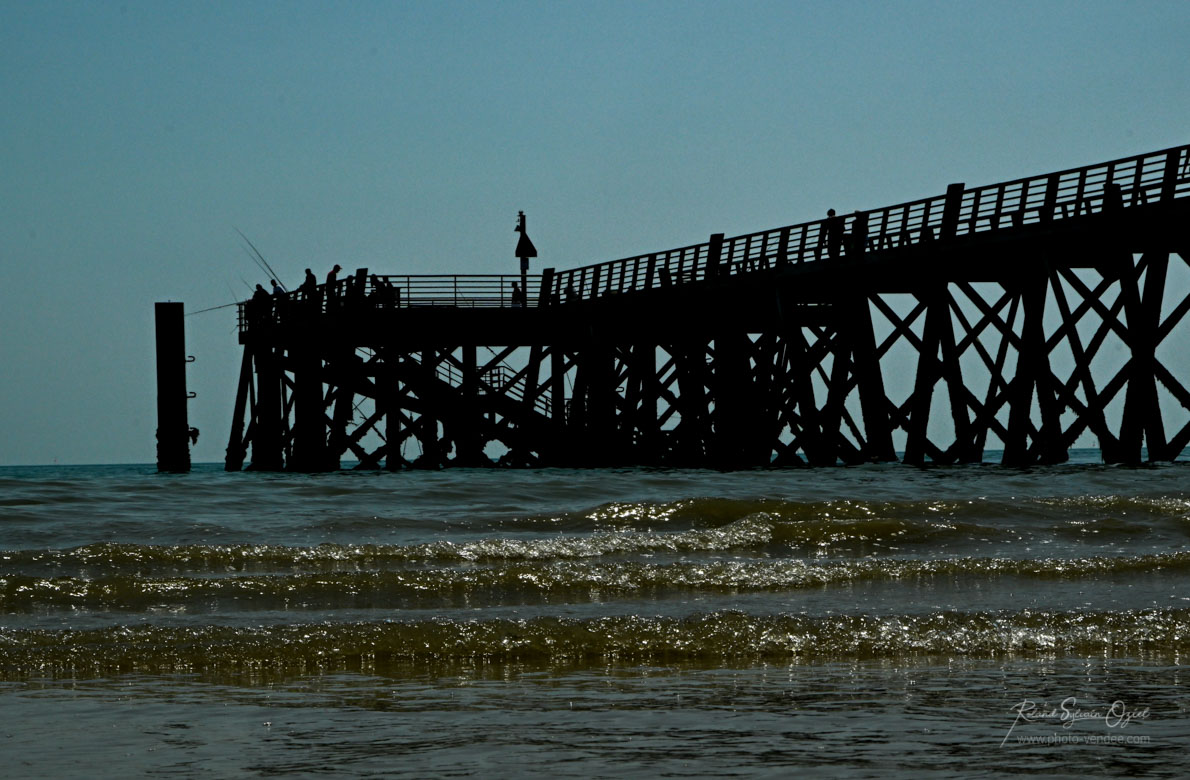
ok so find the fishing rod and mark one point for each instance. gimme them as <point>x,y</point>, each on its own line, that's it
<point>213,308</point>
<point>266,267</point>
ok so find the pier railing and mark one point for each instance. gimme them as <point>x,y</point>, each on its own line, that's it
<point>1120,184</point>
<point>362,291</point>
<point>1124,183</point>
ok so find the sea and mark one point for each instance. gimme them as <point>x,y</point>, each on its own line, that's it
<point>882,620</point>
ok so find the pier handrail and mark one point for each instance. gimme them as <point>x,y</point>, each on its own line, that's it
<point>362,291</point>
<point>1139,180</point>
<point>1125,183</point>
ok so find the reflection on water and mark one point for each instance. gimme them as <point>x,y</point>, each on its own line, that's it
<point>877,621</point>
<point>867,718</point>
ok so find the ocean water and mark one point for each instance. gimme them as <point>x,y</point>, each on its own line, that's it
<point>879,621</point>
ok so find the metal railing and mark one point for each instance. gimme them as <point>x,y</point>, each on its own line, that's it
<point>1120,184</point>
<point>362,291</point>
<point>1131,181</point>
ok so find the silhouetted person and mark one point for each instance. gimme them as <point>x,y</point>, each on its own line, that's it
<point>332,279</point>
<point>570,293</point>
<point>518,295</point>
<point>278,291</point>
<point>260,306</point>
<point>309,286</point>
<point>354,290</point>
<point>666,280</point>
<point>381,292</point>
<point>193,434</point>
<point>833,228</point>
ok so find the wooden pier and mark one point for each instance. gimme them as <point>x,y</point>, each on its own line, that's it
<point>1034,312</point>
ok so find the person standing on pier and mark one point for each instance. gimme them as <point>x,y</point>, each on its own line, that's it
<point>261,305</point>
<point>309,285</point>
<point>332,280</point>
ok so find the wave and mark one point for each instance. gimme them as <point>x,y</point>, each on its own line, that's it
<point>728,637</point>
<point>519,583</point>
<point>758,532</point>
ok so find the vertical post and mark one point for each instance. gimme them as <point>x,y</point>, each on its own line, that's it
<point>836,395</point>
<point>714,254</point>
<point>234,460</point>
<point>644,357</point>
<point>431,449</point>
<point>557,402</point>
<point>735,414</point>
<point>602,434</point>
<point>925,379</point>
<point>469,444</point>
<point>266,434</point>
<point>309,428</point>
<point>341,373</point>
<point>694,437</point>
<point>547,286</point>
<point>389,396</point>
<point>951,209</point>
<point>1032,368</point>
<point>1051,198</point>
<point>951,370</point>
<point>801,382</point>
<point>1169,181</point>
<point>173,429</point>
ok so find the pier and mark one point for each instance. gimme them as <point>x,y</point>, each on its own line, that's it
<point>1033,311</point>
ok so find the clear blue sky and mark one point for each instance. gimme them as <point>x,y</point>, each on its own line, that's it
<point>405,136</point>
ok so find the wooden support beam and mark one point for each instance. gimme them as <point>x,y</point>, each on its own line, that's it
<point>237,444</point>
<point>951,371</point>
<point>342,375</point>
<point>1093,415</point>
<point>558,403</point>
<point>926,376</point>
<point>432,405</point>
<point>998,386</point>
<point>800,379</point>
<point>735,404</point>
<point>873,398</point>
<point>834,445</point>
<point>598,365</point>
<point>643,389</point>
<point>388,401</point>
<point>465,431</point>
<point>1033,375</point>
<point>309,430</point>
<point>267,414</point>
<point>693,432</point>
<point>1142,423</point>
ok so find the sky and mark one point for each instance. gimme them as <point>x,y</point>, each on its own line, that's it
<point>137,138</point>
